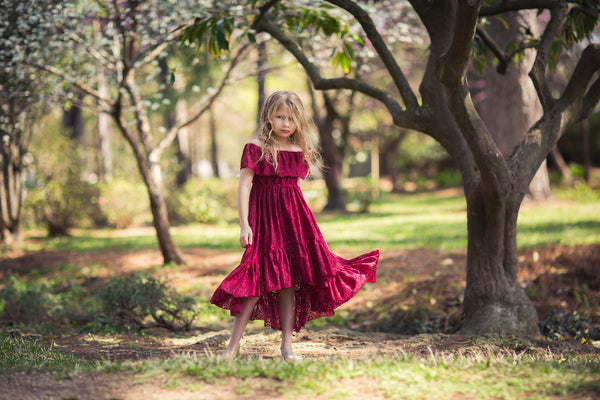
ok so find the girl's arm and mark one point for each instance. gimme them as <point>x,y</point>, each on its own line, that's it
<point>243,197</point>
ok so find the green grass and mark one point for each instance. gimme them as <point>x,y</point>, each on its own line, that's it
<point>482,375</point>
<point>19,353</point>
<point>398,221</point>
<point>393,377</point>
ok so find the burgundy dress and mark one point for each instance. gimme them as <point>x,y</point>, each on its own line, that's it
<point>288,250</point>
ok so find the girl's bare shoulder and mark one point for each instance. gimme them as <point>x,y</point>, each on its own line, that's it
<point>256,141</point>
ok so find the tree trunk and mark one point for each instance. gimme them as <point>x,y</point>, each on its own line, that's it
<point>11,190</point>
<point>158,206</point>
<point>214,151</point>
<point>105,170</point>
<point>330,153</point>
<point>332,165</point>
<point>507,101</point>
<point>261,65</point>
<point>558,159</point>
<point>152,175</point>
<point>585,149</point>
<point>494,301</point>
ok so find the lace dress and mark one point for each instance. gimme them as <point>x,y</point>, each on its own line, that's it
<point>288,250</point>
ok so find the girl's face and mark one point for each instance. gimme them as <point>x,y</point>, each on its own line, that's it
<point>283,125</point>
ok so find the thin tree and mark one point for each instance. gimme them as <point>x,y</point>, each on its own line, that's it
<point>134,35</point>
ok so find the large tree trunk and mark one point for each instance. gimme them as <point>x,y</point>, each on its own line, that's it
<point>507,101</point>
<point>330,153</point>
<point>494,301</point>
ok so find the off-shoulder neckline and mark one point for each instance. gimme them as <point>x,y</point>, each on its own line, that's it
<point>280,151</point>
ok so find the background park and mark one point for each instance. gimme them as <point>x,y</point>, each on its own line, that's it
<point>458,137</point>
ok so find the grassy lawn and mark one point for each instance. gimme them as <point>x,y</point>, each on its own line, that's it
<point>410,221</point>
<point>397,221</point>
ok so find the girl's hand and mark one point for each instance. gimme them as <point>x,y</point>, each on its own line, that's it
<point>246,236</point>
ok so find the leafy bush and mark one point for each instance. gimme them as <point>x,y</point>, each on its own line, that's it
<point>123,203</point>
<point>58,198</point>
<point>27,304</point>
<point>39,305</point>
<point>131,302</point>
<point>448,178</point>
<point>59,205</point>
<point>204,200</point>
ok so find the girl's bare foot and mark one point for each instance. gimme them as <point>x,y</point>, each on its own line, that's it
<point>288,354</point>
<point>229,354</point>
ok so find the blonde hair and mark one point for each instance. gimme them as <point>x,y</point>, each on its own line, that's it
<point>301,137</point>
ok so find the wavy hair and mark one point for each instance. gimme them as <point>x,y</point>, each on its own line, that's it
<point>301,137</point>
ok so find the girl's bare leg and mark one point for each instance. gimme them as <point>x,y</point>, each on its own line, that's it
<point>287,316</point>
<point>240,322</point>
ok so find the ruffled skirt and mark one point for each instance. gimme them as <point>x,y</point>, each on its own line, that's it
<point>289,251</point>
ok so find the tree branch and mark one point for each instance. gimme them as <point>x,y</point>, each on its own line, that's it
<point>590,100</point>
<point>503,57</point>
<point>588,65</point>
<point>452,70</point>
<point>206,104</point>
<point>538,70</point>
<point>409,98</point>
<point>400,116</point>
<point>501,7</point>
<point>105,103</point>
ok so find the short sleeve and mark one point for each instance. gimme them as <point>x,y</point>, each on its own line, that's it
<point>250,156</point>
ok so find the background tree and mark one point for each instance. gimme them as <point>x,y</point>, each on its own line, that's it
<point>494,185</point>
<point>29,32</point>
<point>134,35</point>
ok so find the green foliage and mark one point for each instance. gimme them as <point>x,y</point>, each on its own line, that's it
<point>214,31</point>
<point>22,303</point>
<point>204,200</point>
<point>58,198</point>
<point>22,354</point>
<point>123,203</point>
<point>130,302</point>
<point>60,205</point>
<point>44,307</point>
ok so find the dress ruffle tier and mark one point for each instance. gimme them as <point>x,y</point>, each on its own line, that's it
<point>288,250</point>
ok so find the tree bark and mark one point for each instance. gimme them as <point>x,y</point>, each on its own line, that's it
<point>214,150</point>
<point>506,101</point>
<point>261,66</point>
<point>330,153</point>
<point>105,169</point>
<point>585,149</point>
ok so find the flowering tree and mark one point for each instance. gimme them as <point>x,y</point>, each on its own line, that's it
<point>29,33</point>
<point>494,185</point>
<point>128,37</point>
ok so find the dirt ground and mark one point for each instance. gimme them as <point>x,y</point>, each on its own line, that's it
<point>426,279</point>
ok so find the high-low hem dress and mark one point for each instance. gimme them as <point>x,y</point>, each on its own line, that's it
<point>288,250</point>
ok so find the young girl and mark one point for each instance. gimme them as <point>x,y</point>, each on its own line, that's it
<point>287,275</point>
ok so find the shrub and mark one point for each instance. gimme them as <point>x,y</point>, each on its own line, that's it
<point>146,303</point>
<point>204,200</point>
<point>57,197</point>
<point>59,205</point>
<point>21,303</point>
<point>123,203</point>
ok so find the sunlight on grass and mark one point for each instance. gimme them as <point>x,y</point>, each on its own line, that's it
<point>434,220</point>
<point>395,377</point>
